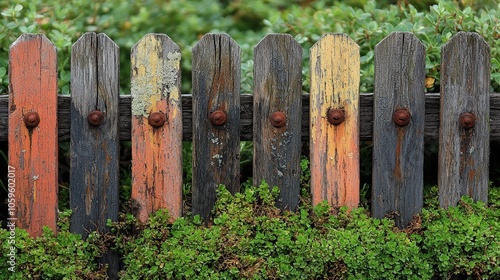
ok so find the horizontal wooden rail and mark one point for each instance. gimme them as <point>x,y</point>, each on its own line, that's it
<point>365,109</point>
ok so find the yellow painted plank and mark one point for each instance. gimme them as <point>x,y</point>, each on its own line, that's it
<point>334,148</point>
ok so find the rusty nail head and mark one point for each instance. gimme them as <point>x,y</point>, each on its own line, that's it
<point>31,119</point>
<point>401,117</point>
<point>156,119</point>
<point>218,117</point>
<point>336,116</point>
<point>467,120</point>
<point>95,118</point>
<point>278,119</point>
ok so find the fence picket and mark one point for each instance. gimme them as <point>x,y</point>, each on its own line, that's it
<point>95,151</point>
<point>33,145</point>
<point>465,100</point>
<point>276,116</point>
<point>216,120</point>
<point>334,121</point>
<point>398,129</point>
<point>156,126</point>
<point>94,176</point>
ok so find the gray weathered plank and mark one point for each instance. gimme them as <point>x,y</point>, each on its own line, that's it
<point>94,175</point>
<point>216,120</point>
<point>277,116</point>
<point>465,88</point>
<point>246,116</point>
<point>398,149</point>
<point>95,153</point>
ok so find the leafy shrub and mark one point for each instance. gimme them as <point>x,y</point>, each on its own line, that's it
<point>369,25</point>
<point>50,256</point>
<point>463,240</point>
<point>126,22</point>
<point>250,238</point>
<point>186,21</point>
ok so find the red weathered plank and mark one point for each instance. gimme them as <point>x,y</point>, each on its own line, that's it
<point>398,129</point>
<point>464,137</point>
<point>33,150</point>
<point>277,116</point>
<point>156,126</point>
<point>334,121</point>
<point>216,120</point>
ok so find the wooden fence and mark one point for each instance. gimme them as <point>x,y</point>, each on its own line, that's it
<point>398,117</point>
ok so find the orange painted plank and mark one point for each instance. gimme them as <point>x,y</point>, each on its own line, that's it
<point>33,151</point>
<point>334,149</point>
<point>156,151</point>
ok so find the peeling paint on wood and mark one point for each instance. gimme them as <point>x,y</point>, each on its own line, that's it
<point>33,151</point>
<point>156,152</point>
<point>154,77</point>
<point>334,149</point>
<point>465,88</point>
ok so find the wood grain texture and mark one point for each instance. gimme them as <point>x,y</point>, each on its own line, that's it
<point>334,149</point>
<point>94,175</point>
<point>465,86</point>
<point>277,88</point>
<point>94,150</point>
<point>216,148</point>
<point>156,152</point>
<point>33,151</point>
<point>398,151</point>
<point>246,117</point>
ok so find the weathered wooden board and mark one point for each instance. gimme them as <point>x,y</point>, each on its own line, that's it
<point>246,117</point>
<point>216,120</point>
<point>33,150</point>
<point>334,147</point>
<point>277,116</point>
<point>156,126</point>
<point>94,149</point>
<point>465,88</point>
<point>398,148</point>
<point>94,176</point>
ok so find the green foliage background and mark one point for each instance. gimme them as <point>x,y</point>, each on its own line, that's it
<point>366,21</point>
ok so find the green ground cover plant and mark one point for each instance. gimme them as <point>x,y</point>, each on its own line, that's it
<point>250,238</point>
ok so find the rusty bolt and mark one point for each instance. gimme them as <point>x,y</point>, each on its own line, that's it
<point>336,116</point>
<point>95,118</point>
<point>218,117</point>
<point>401,117</point>
<point>156,119</point>
<point>467,120</point>
<point>278,119</point>
<point>31,119</point>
